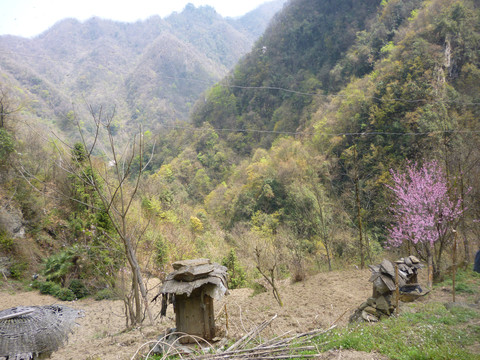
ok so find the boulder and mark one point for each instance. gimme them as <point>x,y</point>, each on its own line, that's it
<point>11,219</point>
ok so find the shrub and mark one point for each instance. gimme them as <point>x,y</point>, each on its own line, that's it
<point>161,252</point>
<point>236,274</point>
<point>6,242</point>
<point>65,294</point>
<point>106,294</point>
<point>36,284</point>
<point>59,265</point>
<point>78,288</point>
<point>257,288</point>
<point>17,269</point>
<point>53,289</point>
<point>49,288</point>
<point>7,145</point>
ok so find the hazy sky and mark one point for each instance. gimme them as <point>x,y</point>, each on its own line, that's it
<point>31,17</point>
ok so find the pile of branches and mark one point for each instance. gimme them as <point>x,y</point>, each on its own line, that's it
<point>251,347</point>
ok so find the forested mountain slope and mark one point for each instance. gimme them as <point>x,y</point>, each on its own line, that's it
<point>305,49</point>
<point>329,100</point>
<point>105,62</point>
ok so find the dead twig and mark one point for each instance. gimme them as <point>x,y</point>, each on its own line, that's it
<point>277,348</point>
<point>247,337</point>
<point>280,347</point>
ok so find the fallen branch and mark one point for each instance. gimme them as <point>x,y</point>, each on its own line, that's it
<point>277,348</point>
<point>280,347</point>
<point>246,339</point>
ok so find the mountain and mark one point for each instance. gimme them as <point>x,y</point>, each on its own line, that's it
<point>298,50</point>
<point>333,96</point>
<point>260,16</point>
<point>288,158</point>
<point>151,71</point>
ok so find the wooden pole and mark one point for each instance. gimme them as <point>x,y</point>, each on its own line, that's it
<point>454,265</point>
<point>226,317</point>
<point>359,212</point>
<point>397,291</point>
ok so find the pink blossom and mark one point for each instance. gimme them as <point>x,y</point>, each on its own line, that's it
<point>423,210</point>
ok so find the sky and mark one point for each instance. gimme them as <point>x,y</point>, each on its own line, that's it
<point>29,18</point>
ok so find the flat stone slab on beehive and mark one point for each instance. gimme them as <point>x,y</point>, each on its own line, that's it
<point>387,267</point>
<point>191,273</point>
<point>192,262</point>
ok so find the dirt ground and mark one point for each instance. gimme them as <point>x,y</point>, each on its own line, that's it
<point>315,303</point>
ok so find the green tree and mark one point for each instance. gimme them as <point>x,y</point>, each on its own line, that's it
<point>7,145</point>
<point>237,276</point>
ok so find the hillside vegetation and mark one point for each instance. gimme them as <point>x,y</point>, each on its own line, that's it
<point>283,167</point>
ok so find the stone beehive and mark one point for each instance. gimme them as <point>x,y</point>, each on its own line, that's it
<point>383,275</point>
<point>381,304</point>
<point>192,287</point>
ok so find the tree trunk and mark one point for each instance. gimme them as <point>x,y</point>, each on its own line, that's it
<point>2,116</point>
<point>138,284</point>
<point>327,249</point>
<point>462,221</point>
<point>430,251</point>
<point>367,247</point>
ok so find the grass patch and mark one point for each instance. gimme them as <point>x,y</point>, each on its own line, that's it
<point>467,282</point>
<point>430,332</point>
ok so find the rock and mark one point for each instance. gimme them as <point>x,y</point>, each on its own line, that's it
<point>369,317</point>
<point>356,316</point>
<point>414,260</point>
<point>383,305</point>
<point>5,264</point>
<point>168,343</point>
<point>389,282</point>
<point>11,219</point>
<point>190,273</point>
<point>363,306</point>
<point>387,267</point>
<point>380,286</point>
<point>374,276</point>
<point>193,262</point>
<point>408,261</point>
<point>370,310</point>
<point>384,316</point>
<point>371,301</point>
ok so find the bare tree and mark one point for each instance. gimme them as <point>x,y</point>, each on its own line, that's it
<point>325,222</point>
<point>116,184</point>
<point>266,264</point>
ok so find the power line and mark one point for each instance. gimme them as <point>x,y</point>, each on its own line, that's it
<point>277,88</point>
<point>295,133</point>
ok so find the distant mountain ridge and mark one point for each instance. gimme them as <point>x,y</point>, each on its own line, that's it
<point>151,70</point>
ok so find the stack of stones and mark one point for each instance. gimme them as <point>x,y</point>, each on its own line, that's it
<point>381,304</point>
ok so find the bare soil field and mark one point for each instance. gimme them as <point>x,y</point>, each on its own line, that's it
<point>315,303</point>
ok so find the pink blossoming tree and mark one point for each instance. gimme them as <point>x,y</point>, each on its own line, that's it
<point>424,212</point>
